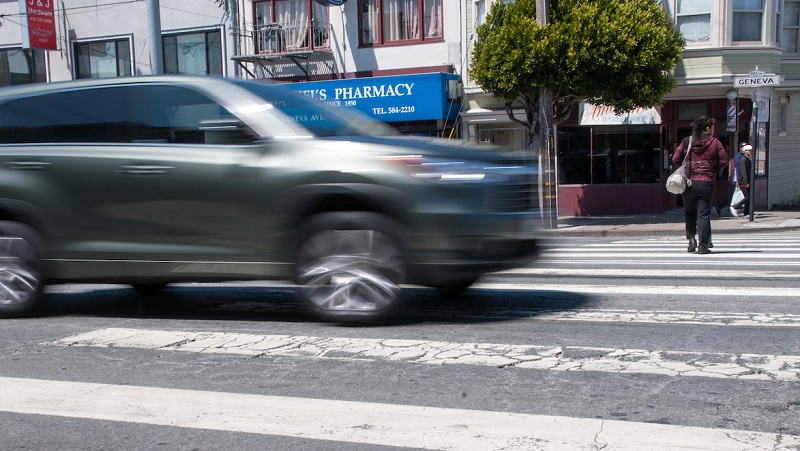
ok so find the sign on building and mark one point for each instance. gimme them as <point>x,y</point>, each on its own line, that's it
<point>38,24</point>
<point>605,115</point>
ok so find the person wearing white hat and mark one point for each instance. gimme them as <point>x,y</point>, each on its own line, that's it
<point>741,173</point>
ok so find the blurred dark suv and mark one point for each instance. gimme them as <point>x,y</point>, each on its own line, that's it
<point>155,180</point>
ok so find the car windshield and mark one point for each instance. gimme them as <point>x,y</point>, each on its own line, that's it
<point>322,120</point>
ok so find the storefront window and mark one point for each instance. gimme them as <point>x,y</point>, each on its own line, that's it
<point>609,154</point>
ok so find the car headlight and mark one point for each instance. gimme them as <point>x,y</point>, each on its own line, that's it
<point>438,169</point>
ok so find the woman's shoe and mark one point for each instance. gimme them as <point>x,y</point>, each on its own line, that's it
<point>692,245</point>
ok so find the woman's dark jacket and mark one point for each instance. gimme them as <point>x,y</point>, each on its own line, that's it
<point>705,159</point>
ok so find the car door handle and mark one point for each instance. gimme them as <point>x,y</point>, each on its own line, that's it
<point>28,165</point>
<point>145,169</point>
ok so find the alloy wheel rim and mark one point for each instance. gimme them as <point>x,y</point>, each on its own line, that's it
<point>19,275</point>
<point>350,270</point>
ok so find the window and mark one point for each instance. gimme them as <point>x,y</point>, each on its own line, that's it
<point>137,114</point>
<point>791,26</point>
<point>197,53</point>
<point>783,119</point>
<point>694,20</point>
<point>387,21</point>
<point>20,66</point>
<point>103,59</point>
<point>609,154</point>
<point>283,25</point>
<point>747,20</point>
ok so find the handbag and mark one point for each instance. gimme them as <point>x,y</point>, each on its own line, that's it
<point>677,181</point>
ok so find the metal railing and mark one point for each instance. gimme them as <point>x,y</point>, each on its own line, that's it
<point>277,38</point>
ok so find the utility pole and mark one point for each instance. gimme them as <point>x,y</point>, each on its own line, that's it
<point>154,33</point>
<point>547,179</point>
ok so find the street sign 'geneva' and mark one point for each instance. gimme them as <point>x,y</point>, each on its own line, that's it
<point>757,79</point>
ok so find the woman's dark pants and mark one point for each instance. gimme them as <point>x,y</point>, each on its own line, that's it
<point>697,210</point>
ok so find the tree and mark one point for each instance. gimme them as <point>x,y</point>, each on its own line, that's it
<point>608,52</point>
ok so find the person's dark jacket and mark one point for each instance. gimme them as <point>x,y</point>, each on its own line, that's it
<point>705,159</point>
<point>743,171</point>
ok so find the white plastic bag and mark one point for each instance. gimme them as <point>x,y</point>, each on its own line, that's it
<point>737,198</point>
<point>676,182</point>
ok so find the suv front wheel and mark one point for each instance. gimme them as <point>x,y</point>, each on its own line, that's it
<point>350,265</point>
<point>20,269</point>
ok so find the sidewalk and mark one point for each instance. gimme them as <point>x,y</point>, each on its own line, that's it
<point>671,222</point>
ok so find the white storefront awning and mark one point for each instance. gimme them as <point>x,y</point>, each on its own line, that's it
<point>605,115</point>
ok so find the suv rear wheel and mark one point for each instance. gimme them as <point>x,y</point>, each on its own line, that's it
<point>20,269</point>
<point>350,265</point>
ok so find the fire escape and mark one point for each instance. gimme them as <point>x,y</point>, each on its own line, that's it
<point>290,51</point>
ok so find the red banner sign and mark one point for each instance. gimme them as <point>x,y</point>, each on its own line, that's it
<point>41,26</point>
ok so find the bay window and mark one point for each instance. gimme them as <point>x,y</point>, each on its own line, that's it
<point>747,19</point>
<point>694,20</point>
<point>790,40</point>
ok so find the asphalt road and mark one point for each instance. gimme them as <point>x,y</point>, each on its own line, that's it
<point>617,343</point>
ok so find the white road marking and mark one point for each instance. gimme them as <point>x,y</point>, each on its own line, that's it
<point>681,290</point>
<point>652,317</point>
<point>362,422</point>
<point>716,254</point>
<point>570,358</point>
<point>737,273</point>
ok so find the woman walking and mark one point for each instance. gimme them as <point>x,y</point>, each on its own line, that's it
<point>706,156</point>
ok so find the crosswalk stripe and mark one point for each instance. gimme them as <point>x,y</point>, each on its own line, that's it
<point>727,319</point>
<point>669,363</point>
<point>656,272</point>
<point>362,422</point>
<point>685,260</point>
<point>643,289</point>
<point>731,254</point>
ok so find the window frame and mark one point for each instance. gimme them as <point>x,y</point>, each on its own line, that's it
<point>783,27</point>
<point>318,28</point>
<point>119,43</point>
<point>37,67</point>
<point>709,13</point>
<point>209,52</point>
<point>381,40</point>
<point>762,27</point>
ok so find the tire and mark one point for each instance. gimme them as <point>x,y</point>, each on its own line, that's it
<point>350,265</point>
<point>149,288</point>
<point>455,288</point>
<point>21,278</point>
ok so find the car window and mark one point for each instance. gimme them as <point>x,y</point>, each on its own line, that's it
<point>122,114</point>
<point>320,119</point>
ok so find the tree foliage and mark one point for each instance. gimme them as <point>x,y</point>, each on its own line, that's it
<point>610,52</point>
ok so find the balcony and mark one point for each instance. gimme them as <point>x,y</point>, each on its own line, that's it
<point>279,50</point>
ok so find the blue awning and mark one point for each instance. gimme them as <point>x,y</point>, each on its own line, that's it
<point>397,98</point>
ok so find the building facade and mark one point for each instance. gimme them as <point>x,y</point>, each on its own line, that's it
<point>409,49</point>
<point>610,164</point>
<point>406,62</point>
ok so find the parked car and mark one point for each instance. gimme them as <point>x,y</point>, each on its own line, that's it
<point>156,180</point>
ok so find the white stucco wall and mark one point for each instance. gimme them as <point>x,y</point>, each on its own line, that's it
<point>88,20</point>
